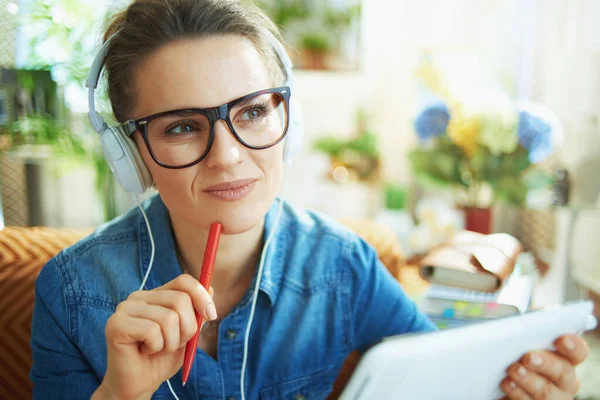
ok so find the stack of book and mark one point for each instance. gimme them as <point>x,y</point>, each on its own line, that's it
<point>474,278</point>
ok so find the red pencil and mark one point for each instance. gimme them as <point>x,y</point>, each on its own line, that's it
<point>210,254</point>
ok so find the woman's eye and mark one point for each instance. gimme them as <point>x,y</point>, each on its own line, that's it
<point>181,129</point>
<point>253,113</point>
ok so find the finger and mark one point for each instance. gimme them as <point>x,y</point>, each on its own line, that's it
<point>178,301</point>
<point>554,367</point>
<point>126,330</point>
<point>573,347</point>
<point>536,386</point>
<point>167,319</point>
<point>513,392</point>
<point>201,299</point>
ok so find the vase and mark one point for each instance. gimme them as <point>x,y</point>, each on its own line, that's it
<point>314,60</point>
<point>478,219</point>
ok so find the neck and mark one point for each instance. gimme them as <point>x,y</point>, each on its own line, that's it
<point>236,257</point>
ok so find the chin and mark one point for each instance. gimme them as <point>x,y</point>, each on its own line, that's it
<point>240,216</point>
<point>235,224</point>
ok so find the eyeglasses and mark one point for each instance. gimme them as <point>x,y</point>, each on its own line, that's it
<point>182,138</point>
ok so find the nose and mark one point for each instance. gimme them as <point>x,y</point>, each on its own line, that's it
<point>225,149</point>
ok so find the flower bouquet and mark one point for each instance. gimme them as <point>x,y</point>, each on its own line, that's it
<point>491,148</point>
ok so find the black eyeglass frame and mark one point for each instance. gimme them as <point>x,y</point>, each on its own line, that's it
<point>213,114</point>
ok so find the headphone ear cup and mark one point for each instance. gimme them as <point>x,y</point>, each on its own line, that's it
<point>125,161</point>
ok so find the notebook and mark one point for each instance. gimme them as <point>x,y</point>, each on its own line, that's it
<point>463,363</point>
<point>472,261</point>
<point>454,303</point>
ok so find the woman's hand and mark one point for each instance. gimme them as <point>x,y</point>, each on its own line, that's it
<point>147,334</point>
<point>548,375</point>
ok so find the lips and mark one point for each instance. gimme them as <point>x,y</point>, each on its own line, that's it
<point>230,191</point>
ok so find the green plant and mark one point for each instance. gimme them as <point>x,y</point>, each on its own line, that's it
<point>484,143</point>
<point>359,154</point>
<point>317,28</point>
<point>445,165</point>
<point>488,149</point>
<point>284,12</point>
<point>44,129</point>
<point>68,149</point>
<point>315,42</point>
<point>366,143</point>
<point>64,36</point>
<point>337,21</point>
<point>395,196</point>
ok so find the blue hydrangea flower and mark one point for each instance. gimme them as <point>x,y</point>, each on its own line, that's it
<point>535,135</point>
<point>432,121</point>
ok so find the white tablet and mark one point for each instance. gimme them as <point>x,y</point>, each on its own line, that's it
<point>461,363</point>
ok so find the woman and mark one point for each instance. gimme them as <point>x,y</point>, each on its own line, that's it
<point>322,293</point>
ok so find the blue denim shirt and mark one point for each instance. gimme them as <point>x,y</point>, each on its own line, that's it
<point>323,294</point>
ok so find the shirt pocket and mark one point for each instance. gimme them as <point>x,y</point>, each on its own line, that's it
<point>315,386</point>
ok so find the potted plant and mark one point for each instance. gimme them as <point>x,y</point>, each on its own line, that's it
<point>315,47</point>
<point>495,150</point>
<point>395,214</point>
<point>325,35</point>
<point>338,21</point>
<point>356,159</point>
<point>316,29</point>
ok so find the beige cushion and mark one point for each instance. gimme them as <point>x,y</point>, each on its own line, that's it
<point>382,239</point>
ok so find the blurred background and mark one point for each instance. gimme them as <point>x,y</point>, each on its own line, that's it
<point>427,117</point>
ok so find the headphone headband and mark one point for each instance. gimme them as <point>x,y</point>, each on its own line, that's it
<point>91,82</point>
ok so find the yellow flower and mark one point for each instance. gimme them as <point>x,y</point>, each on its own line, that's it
<point>463,130</point>
<point>430,76</point>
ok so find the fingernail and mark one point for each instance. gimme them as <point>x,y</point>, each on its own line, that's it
<point>522,371</point>
<point>569,344</point>
<point>211,311</point>
<point>535,359</point>
<point>511,385</point>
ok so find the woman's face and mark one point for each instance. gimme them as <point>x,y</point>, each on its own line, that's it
<point>204,73</point>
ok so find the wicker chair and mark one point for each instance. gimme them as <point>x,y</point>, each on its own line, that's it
<point>23,252</point>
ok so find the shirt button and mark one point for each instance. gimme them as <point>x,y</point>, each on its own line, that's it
<point>300,396</point>
<point>231,334</point>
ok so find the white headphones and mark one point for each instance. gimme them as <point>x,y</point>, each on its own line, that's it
<point>121,151</point>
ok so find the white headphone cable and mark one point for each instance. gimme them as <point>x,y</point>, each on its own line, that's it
<point>258,276</point>
<point>286,167</point>
<point>137,199</point>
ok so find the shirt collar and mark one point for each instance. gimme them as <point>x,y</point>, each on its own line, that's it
<point>166,266</point>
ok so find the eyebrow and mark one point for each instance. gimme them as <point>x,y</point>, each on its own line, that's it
<point>182,113</point>
<point>246,101</point>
